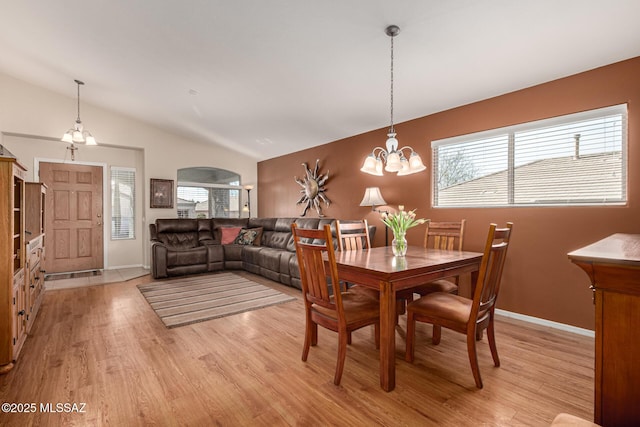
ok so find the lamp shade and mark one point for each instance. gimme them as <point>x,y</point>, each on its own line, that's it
<point>77,136</point>
<point>378,168</point>
<point>372,197</point>
<point>67,137</point>
<point>413,165</point>
<point>415,162</point>
<point>370,165</point>
<point>393,162</point>
<point>406,169</point>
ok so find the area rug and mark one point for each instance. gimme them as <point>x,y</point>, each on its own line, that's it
<point>188,300</point>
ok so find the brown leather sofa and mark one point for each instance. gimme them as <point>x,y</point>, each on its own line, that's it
<point>189,246</point>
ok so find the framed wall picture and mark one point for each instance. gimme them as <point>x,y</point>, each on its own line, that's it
<point>161,193</point>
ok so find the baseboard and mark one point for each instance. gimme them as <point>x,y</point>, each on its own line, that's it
<point>544,322</point>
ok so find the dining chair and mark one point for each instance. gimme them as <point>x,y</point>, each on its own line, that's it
<point>449,236</point>
<point>325,303</point>
<point>464,315</point>
<point>353,236</point>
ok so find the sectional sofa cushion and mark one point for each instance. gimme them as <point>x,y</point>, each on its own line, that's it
<point>249,236</point>
<point>229,234</point>
<point>178,233</point>
<point>190,256</point>
<point>218,223</point>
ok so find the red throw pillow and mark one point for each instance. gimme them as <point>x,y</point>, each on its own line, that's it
<point>229,234</point>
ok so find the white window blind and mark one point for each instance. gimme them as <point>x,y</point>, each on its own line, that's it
<point>577,159</point>
<point>123,202</point>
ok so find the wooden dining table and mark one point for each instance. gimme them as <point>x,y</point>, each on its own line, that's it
<point>378,268</point>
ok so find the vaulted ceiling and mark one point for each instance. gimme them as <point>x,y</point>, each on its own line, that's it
<point>269,78</point>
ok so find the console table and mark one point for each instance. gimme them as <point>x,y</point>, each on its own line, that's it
<point>613,265</point>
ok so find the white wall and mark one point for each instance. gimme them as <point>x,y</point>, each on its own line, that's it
<point>33,119</point>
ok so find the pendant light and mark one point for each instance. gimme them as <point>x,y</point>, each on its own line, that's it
<point>393,159</point>
<point>78,134</point>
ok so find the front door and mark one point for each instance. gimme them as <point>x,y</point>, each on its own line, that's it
<point>73,219</point>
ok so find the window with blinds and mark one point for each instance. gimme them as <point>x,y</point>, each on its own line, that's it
<point>577,159</point>
<point>123,198</point>
<point>209,200</point>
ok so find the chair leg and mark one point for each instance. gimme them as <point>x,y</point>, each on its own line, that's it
<point>436,335</point>
<point>308,339</point>
<point>411,332</point>
<point>401,305</point>
<point>342,354</point>
<point>349,338</point>
<point>314,333</point>
<point>473,358</point>
<point>492,342</point>
<point>376,331</point>
<point>399,309</point>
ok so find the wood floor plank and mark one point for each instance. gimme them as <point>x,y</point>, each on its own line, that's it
<point>104,346</point>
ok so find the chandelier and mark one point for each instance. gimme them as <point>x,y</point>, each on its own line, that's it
<point>78,134</point>
<point>393,158</point>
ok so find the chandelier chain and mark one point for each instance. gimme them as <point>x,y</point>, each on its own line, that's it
<point>391,130</point>
<point>78,119</point>
<point>78,83</point>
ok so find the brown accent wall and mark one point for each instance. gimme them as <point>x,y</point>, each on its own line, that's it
<point>539,280</point>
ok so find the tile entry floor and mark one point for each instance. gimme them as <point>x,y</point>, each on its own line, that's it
<point>89,279</point>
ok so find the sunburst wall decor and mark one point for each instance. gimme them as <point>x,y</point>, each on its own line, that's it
<point>313,190</point>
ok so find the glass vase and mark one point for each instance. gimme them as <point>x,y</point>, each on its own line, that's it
<point>399,243</point>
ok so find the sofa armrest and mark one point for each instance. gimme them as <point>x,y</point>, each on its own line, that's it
<point>153,233</point>
<point>158,260</point>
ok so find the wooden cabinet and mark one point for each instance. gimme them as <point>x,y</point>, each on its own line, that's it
<point>13,299</point>
<point>19,314</point>
<point>613,265</point>
<point>35,194</point>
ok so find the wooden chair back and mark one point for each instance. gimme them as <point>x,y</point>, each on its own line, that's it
<point>324,302</point>
<point>444,235</point>
<point>353,236</point>
<point>313,271</point>
<point>490,274</point>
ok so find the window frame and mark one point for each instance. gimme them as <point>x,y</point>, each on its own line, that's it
<point>509,133</point>
<point>132,219</point>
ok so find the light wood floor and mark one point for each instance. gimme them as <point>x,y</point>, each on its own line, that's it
<point>104,346</point>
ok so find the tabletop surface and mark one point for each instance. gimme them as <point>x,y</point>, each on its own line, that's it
<point>382,260</point>
<point>619,248</point>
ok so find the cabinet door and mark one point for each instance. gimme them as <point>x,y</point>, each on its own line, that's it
<point>617,353</point>
<point>32,283</point>
<point>20,313</point>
